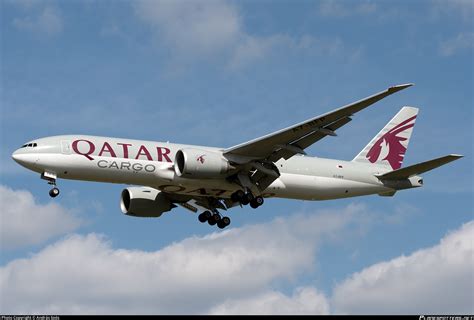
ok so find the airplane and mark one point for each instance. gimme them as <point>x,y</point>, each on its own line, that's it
<point>207,180</point>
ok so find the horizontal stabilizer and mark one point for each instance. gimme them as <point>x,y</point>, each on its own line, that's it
<point>419,168</point>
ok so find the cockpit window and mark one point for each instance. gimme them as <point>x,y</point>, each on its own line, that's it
<point>29,145</point>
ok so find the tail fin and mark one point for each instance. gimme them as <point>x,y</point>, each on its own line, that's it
<point>388,147</point>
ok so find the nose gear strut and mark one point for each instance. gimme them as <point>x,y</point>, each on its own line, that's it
<point>51,178</point>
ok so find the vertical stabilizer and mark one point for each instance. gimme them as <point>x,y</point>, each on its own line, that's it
<point>388,147</point>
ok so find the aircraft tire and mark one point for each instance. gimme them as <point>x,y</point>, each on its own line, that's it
<point>203,217</point>
<point>226,221</point>
<point>246,199</point>
<point>53,193</point>
<point>259,200</point>
<point>237,196</point>
<point>214,219</point>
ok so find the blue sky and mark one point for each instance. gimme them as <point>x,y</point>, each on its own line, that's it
<point>219,73</point>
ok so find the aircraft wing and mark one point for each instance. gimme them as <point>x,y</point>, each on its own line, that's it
<point>259,155</point>
<point>293,140</point>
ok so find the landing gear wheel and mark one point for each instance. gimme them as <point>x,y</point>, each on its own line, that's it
<point>237,196</point>
<point>54,192</point>
<point>51,178</point>
<point>224,222</point>
<point>246,199</point>
<point>256,202</point>
<point>214,219</point>
<point>203,217</point>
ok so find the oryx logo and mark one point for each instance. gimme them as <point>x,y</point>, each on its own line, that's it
<point>389,147</point>
<point>201,158</point>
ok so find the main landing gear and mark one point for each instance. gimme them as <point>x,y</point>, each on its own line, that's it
<point>246,198</point>
<point>51,178</point>
<point>214,218</point>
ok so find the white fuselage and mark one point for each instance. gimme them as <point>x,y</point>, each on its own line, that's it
<point>148,163</point>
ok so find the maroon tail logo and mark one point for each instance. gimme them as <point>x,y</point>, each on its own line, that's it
<point>393,142</point>
<point>201,158</point>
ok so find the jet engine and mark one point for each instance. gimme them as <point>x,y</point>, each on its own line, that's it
<point>144,202</point>
<point>202,164</point>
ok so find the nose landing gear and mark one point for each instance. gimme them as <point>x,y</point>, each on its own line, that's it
<point>54,192</point>
<point>51,178</point>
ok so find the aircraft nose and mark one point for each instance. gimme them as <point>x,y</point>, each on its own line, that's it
<point>23,158</point>
<point>16,156</point>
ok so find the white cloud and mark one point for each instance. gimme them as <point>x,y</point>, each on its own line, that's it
<point>25,4</point>
<point>234,272</point>
<point>85,274</point>
<point>213,29</point>
<point>459,8</point>
<point>436,280</point>
<point>305,300</point>
<point>110,30</point>
<point>195,26</point>
<point>251,49</point>
<point>25,222</point>
<point>47,21</point>
<point>462,42</point>
<point>339,9</point>
<point>256,48</point>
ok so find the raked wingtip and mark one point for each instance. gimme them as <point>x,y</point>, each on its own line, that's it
<point>401,86</point>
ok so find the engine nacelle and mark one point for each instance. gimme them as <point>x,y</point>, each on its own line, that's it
<point>196,163</point>
<point>144,202</point>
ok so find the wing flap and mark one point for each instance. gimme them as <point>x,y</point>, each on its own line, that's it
<point>418,168</point>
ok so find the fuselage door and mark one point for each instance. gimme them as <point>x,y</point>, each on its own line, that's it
<point>65,147</point>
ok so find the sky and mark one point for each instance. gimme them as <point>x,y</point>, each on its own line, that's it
<point>219,73</point>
